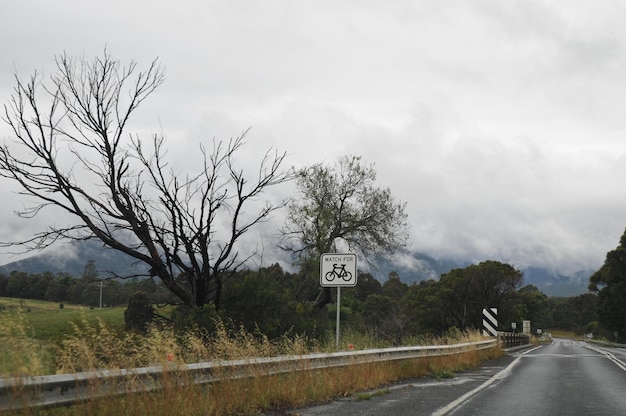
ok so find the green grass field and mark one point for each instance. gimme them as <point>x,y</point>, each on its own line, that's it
<point>46,320</point>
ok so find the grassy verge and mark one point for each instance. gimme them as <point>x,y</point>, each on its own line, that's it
<point>255,395</point>
<point>89,342</point>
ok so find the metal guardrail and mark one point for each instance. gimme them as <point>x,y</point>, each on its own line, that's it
<point>66,389</point>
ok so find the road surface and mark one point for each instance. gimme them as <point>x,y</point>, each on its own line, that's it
<point>563,378</point>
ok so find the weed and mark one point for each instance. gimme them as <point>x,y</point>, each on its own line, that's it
<point>443,374</point>
<point>369,395</point>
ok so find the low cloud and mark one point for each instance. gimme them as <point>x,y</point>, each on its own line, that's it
<point>500,124</point>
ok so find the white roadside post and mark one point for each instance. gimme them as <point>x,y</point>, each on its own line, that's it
<point>338,270</point>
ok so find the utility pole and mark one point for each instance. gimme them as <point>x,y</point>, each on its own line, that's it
<point>100,294</point>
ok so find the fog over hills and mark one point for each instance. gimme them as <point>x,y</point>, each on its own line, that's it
<point>72,258</point>
<point>412,267</point>
<point>500,124</point>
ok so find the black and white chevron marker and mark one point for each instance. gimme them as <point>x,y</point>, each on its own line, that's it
<point>490,322</point>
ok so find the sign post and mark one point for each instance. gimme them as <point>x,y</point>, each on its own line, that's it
<point>338,270</point>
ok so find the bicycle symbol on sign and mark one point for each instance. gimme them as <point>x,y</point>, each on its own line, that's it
<point>339,272</point>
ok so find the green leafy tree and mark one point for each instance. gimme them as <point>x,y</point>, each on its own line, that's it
<point>459,298</point>
<point>56,291</point>
<point>463,293</point>
<point>425,309</point>
<point>367,285</point>
<point>394,287</point>
<point>4,281</point>
<point>76,290</point>
<point>263,301</point>
<point>37,284</point>
<point>533,306</point>
<point>90,272</point>
<point>609,282</point>
<point>576,313</point>
<point>341,207</point>
<point>16,284</point>
<point>91,295</point>
<point>73,153</point>
<point>385,315</point>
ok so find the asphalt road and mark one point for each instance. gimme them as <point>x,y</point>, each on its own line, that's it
<point>563,378</point>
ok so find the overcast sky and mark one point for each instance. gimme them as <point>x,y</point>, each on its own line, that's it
<point>501,123</point>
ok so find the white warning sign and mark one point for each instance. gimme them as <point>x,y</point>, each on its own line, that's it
<point>338,269</point>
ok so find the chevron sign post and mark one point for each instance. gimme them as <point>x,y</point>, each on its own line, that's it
<point>490,322</point>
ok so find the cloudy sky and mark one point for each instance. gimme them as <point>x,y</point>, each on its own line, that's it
<point>501,123</point>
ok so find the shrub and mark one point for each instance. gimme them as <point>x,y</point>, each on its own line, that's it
<point>139,313</point>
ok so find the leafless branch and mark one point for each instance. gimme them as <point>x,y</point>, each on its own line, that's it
<point>72,152</point>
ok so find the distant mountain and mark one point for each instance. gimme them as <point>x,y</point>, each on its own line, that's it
<point>554,284</point>
<point>72,258</point>
<point>412,267</point>
<point>415,267</point>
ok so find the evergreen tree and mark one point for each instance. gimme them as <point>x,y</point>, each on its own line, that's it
<point>139,312</point>
<point>609,282</point>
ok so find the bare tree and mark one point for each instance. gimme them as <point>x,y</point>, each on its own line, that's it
<point>72,151</point>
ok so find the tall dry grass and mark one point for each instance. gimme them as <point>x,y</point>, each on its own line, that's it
<point>97,346</point>
<point>20,354</point>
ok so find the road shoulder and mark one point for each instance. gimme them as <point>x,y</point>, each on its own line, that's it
<point>429,394</point>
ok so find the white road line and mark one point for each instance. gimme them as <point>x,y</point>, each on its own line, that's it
<point>469,394</point>
<point>610,356</point>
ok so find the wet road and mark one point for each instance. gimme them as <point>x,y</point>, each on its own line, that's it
<point>563,378</point>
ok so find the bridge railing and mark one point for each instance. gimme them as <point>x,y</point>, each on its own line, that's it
<point>66,389</point>
<point>513,339</point>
